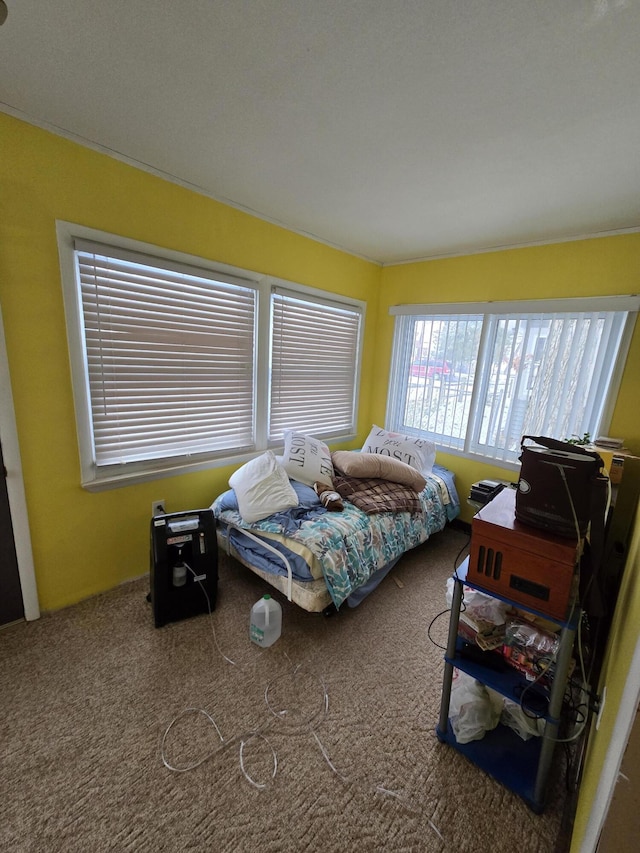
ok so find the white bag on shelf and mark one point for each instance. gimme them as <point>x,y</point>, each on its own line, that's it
<point>472,711</point>
<point>480,606</point>
<point>521,723</point>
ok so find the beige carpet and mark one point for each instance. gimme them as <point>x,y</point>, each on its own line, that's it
<point>347,707</point>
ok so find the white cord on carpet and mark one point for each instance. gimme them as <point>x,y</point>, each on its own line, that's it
<point>273,752</point>
<point>201,760</point>
<point>283,715</point>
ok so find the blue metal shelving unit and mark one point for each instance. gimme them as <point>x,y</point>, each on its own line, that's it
<point>522,766</point>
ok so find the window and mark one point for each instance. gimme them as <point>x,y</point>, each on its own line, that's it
<point>475,377</point>
<point>178,364</point>
<point>314,349</point>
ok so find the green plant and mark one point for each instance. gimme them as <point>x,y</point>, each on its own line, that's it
<point>586,439</point>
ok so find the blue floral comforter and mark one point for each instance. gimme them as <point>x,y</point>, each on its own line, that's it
<point>351,545</point>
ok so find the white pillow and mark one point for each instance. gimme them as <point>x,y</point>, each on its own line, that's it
<point>262,488</point>
<point>420,453</point>
<point>307,459</point>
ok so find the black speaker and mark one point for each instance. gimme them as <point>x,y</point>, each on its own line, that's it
<point>556,486</point>
<point>184,565</point>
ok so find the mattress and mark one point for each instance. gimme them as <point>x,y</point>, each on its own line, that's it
<point>318,558</point>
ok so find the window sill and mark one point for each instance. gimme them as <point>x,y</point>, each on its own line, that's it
<point>477,457</point>
<point>176,467</point>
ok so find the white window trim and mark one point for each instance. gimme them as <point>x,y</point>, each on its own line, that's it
<point>15,487</point>
<point>627,302</point>
<point>92,478</point>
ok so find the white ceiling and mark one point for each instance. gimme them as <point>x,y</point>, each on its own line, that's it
<point>395,129</point>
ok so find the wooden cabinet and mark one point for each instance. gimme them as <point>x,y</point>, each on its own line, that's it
<point>529,566</point>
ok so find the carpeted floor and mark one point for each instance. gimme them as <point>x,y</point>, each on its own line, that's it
<point>346,707</point>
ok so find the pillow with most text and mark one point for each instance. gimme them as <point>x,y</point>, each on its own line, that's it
<point>307,459</point>
<point>420,453</point>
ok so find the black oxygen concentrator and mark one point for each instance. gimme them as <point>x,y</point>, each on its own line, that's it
<point>184,565</point>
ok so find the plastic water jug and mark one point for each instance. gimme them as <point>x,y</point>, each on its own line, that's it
<point>266,621</point>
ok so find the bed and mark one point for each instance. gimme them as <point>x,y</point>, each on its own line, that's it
<point>322,559</point>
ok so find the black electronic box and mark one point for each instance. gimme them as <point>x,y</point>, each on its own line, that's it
<point>184,565</point>
<point>485,490</point>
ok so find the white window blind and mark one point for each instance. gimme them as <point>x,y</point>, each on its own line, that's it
<point>169,357</point>
<point>549,376</point>
<point>315,348</point>
<point>477,382</point>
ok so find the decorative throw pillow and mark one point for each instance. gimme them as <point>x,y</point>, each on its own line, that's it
<point>307,459</point>
<point>262,487</point>
<point>377,465</point>
<point>419,453</point>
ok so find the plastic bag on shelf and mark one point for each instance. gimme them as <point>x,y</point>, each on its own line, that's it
<point>479,605</point>
<point>530,650</point>
<point>522,724</point>
<point>482,618</point>
<point>530,638</point>
<point>472,710</point>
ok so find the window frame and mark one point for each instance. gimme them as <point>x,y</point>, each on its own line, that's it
<point>91,475</point>
<point>486,311</point>
<point>322,343</point>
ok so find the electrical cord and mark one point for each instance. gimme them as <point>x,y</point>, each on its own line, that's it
<point>286,718</point>
<point>431,624</point>
<point>585,682</point>
<point>546,663</point>
<point>208,600</point>
<point>463,607</point>
<point>571,503</point>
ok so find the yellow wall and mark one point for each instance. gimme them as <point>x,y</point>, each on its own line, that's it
<point>600,267</point>
<point>85,542</point>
